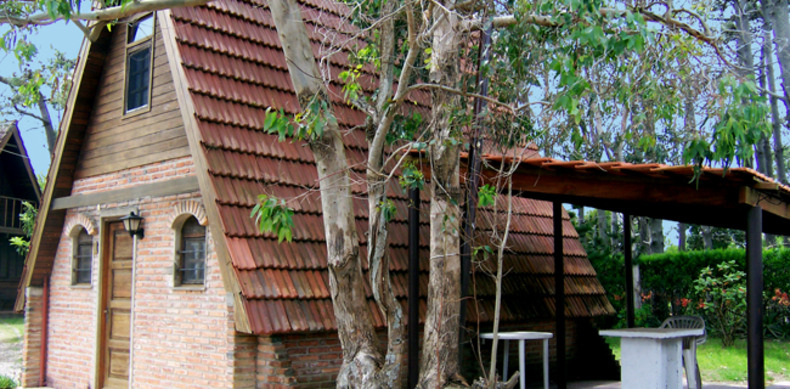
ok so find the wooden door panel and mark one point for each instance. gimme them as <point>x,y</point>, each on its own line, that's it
<point>121,284</point>
<point>119,363</point>
<point>117,293</point>
<point>119,326</point>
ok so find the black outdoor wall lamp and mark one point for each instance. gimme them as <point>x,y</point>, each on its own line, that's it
<point>133,224</point>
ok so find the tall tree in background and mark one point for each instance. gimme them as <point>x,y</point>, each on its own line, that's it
<point>37,89</point>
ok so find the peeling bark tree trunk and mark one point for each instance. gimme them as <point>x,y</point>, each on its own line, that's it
<point>361,356</point>
<point>46,121</point>
<point>765,156</point>
<point>781,26</point>
<point>776,125</point>
<point>439,359</point>
<point>391,373</point>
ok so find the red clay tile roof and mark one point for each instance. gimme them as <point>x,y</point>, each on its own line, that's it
<point>234,70</point>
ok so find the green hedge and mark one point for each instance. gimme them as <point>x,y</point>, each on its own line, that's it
<point>672,274</point>
<point>669,278</point>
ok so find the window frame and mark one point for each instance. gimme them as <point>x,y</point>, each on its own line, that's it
<point>179,254</point>
<point>76,245</point>
<point>134,48</point>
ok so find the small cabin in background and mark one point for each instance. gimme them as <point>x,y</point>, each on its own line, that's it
<point>17,185</point>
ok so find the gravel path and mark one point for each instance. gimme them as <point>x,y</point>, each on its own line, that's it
<point>10,351</point>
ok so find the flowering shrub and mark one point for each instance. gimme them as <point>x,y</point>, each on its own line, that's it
<point>777,315</point>
<point>722,300</point>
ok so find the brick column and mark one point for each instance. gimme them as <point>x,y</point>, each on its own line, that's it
<point>31,349</point>
<point>244,357</point>
<point>273,365</point>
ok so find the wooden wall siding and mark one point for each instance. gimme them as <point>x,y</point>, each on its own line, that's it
<point>115,141</point>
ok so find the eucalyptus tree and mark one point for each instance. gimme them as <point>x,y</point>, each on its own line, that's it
<point>555,62</point>
<point>38,88</point>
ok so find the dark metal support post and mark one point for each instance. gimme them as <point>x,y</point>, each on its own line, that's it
<point>472,181</point>
<point>754,303</point>
<point>629,272</point>
<point>414,287</point>
<point>559,294</point>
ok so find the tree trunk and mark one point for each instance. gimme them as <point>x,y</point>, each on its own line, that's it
<point>765,157</point>
<point>656,235</point>
<point>602,232</point>
<point>361,355</point>
<point>707,237</point>
<point>439,359</point>
<point>781,175</point>
<point>682,227</point>
<point>391,373</point>
<point>781,26</point>
<point>46,121</point>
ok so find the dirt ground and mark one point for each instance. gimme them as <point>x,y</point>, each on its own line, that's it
<point>10,347</point>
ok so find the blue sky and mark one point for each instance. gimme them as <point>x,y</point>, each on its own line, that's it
<point>66,38</point>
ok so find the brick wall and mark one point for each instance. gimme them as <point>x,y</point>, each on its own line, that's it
<point>298,361</point>
<point>31,348</point>
<point>181,338</point>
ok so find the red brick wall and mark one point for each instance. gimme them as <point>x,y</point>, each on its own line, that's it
<point>298,361</point>
<point>181,338</point>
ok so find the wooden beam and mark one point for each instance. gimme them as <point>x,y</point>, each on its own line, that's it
<point>12,231</point>
<point>157,189</point>
<point>619,188</point>
<point>771,204</point>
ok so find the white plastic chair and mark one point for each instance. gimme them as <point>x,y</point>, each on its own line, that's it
<point>689,346</point>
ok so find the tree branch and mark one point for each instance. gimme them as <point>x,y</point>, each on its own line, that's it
<point>102,15</point>
<point>508,107</point>
<point>22,112</point>
<point>545,21</point>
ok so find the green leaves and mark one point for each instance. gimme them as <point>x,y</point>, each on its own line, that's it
<point>387,209</point>
<point>28,221</point>
<point>21,244</point>
<point>273,215</point>
<point>741,117</point>
<point>307,125</point>
<point>277,123</point>
<point>411,177</point>
<point>486,196</point>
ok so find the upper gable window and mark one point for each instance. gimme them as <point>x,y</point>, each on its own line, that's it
<point>139,61</point>
<point>142,29</point>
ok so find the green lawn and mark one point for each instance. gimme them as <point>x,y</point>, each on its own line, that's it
<point>729,364</point>
<point>11,329</point>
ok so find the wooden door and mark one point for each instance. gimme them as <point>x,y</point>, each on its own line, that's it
<point>116,307</point>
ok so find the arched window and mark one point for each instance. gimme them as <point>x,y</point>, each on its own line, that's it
<point>191,256</point>
<point>82,261</point>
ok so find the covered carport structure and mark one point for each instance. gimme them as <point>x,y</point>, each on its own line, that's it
<point>738,198</point>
